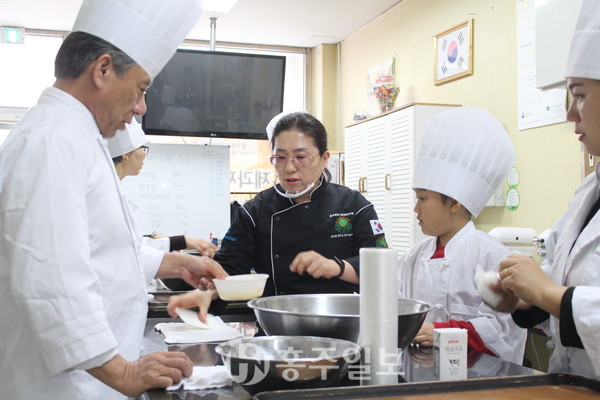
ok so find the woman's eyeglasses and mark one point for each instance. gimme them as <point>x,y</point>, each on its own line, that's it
<point>146,149</point>
<point>299,160</point>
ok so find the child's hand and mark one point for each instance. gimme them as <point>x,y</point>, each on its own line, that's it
<point>425,335</point>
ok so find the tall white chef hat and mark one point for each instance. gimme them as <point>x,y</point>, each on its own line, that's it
<point>465,154</point>
<point>148,31</point>
<point>584,56</point>
<point>271,125</point>
<point>126,140</point>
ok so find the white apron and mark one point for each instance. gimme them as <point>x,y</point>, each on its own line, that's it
<point>71,284</point>
<point>578,267</point>
<point>450,283</point>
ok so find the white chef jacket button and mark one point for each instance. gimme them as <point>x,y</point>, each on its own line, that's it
<point>276,218</point>
<point>306,206</point>
<point>276,256</point>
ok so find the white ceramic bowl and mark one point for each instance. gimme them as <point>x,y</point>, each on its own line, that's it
<point>241,287</point>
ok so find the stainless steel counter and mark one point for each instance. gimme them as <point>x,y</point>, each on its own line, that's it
<point>415,365</point>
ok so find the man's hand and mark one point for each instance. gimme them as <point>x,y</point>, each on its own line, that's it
<point>197,271</point>
<point>156,370</point>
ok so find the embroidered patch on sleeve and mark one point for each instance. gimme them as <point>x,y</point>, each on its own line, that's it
<point>377,227</point>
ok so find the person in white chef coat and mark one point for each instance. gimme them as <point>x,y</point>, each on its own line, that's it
<point>72,288</point>
<point>464,157</point>
<point>128,149</point>
<point>564,294</point>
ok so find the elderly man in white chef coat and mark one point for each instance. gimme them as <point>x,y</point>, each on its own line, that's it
<point>564,295</point>
<point>72,287</point>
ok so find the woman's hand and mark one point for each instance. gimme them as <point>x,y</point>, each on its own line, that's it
<point>195,298</point>
<point>509,302</point>
<point>523,277</point>
<point>314,264</point>
<point>204,247</point>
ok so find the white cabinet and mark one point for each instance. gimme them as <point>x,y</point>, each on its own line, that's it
<point>380,156</point>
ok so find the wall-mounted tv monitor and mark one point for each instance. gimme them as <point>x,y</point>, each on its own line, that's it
<point>215,94</point>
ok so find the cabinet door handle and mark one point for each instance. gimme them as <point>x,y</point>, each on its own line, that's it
<point>388,185</point>
<point>363,186</point>
<point>360,184</point>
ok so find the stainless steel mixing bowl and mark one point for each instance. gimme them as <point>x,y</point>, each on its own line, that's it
<point>287,362</point>
<point>330,315</point>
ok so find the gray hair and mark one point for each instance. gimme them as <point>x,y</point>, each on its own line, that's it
<point>80,49</point>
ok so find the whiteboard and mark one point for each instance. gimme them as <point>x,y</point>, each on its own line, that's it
<point>182,190</point>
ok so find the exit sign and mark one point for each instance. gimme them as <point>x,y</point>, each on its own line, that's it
<point>12,35</point>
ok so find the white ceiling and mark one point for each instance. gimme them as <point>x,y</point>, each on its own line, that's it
<point>298,23</point>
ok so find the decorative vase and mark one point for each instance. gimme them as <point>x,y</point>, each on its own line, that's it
<point>385,91</point>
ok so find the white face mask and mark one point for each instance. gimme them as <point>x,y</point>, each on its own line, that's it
<point>289,195</point>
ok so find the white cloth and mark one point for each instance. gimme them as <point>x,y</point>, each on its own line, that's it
<point>273,123</point>
<point>485,280</point>
<point>71,284</point>
<point>126,140</point>
<point>180,332</point>
<point>450,282</point>
<point>578,267</point>
<point>465,154</point>
<point>148,31</point>
<point>205,378</point>
<point>584,55</point>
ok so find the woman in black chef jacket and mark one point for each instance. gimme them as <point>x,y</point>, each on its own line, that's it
<point>304,232</point>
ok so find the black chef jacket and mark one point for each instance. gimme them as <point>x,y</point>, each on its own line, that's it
<point>269,231</point>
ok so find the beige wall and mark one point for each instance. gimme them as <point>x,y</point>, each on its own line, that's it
<point>548,158</point>
<point>325,90</point>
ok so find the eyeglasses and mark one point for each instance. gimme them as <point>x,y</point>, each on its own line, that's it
<point>146,149</point>
<point>299,160</point>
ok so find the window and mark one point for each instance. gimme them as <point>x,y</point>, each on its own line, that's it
<point>27,69</point>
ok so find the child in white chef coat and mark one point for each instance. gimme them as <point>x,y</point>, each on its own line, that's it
<point>464,157</point>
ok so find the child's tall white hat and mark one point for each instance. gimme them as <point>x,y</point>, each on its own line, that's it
<point>465,154</point>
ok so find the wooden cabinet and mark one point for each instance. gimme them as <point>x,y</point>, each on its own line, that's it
<point>380,156</point>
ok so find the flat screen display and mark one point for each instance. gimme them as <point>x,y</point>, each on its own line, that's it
<point>215,94</point>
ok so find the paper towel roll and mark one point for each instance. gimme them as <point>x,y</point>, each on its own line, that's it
<point>379,310</point>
